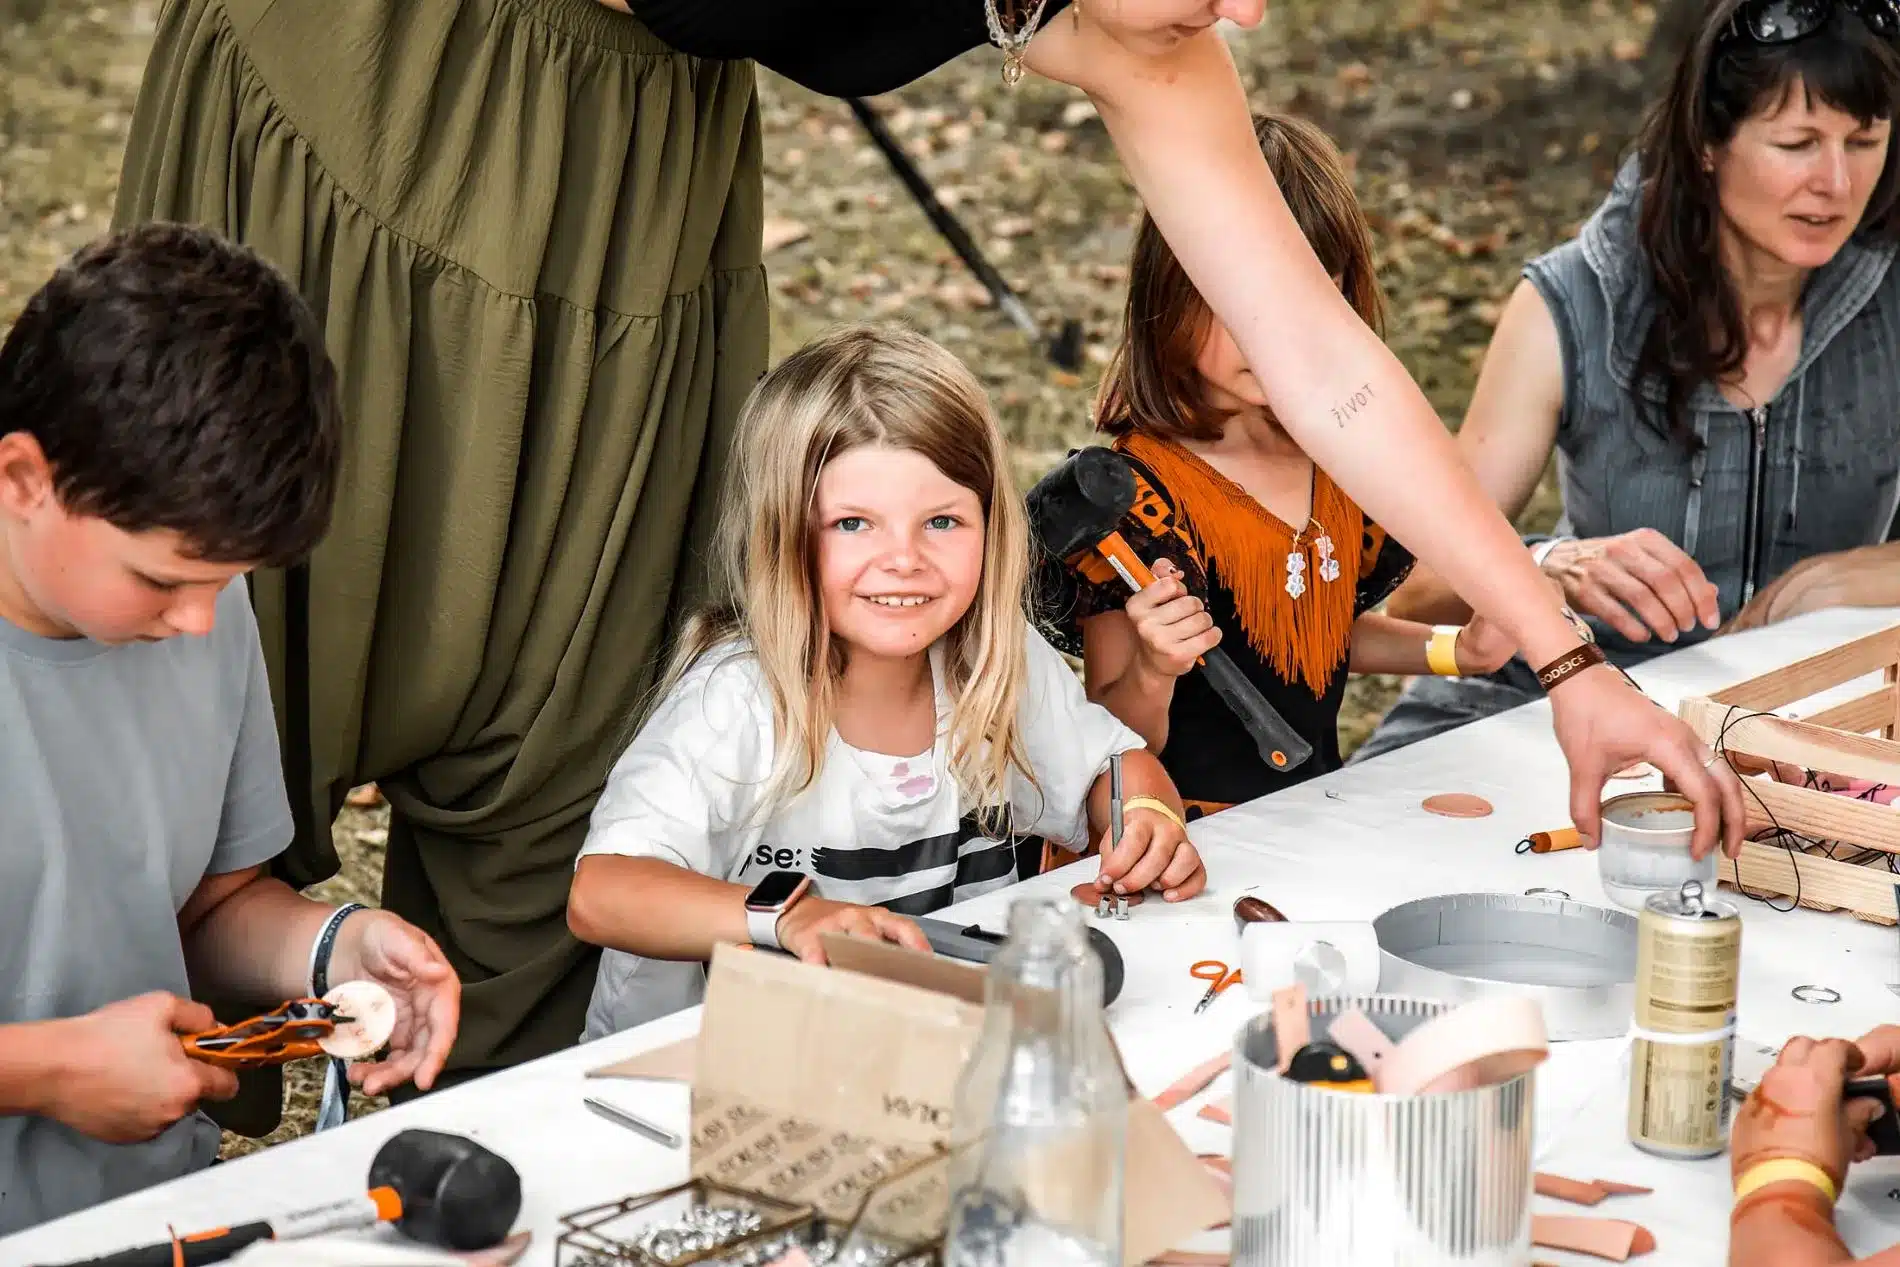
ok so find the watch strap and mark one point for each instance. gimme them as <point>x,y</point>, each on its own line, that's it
<point>762,927</point>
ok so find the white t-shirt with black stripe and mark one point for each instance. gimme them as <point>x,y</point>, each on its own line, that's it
<point>873,829</point>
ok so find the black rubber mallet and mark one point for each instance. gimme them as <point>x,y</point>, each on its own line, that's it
<point>437,1189</point>
<point>1078,509</point>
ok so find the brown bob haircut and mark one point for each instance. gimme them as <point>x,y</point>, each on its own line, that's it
<point>1152,382</point>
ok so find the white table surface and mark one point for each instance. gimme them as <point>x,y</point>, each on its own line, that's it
<point>1345,846</point>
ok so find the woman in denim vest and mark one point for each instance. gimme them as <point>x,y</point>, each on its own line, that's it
<point>1715,358</point>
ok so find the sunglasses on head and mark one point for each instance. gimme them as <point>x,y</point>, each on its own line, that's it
<point>1785,21</point>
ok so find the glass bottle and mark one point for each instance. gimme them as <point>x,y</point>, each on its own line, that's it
<point>1041,1113</point>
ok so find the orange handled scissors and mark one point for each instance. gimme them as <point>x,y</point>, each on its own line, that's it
<point>1218,978</point>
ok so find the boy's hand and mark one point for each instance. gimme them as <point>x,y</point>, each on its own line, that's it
<point>395,954</point>
<point>801,930</point>
<point>1154,853</point>
<point>1173,625</point>
<point>1484,647</point>
<point>123,1073</point>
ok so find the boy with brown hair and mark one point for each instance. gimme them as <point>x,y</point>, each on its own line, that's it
<point>168,422</point>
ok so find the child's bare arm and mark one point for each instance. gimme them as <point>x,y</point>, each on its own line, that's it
<point>1131,658</point>
<point>1120,679</point>
<point>657,910</point>
<point>1386,644</point>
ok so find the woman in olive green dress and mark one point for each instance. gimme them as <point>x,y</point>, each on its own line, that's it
<point>532,231</point>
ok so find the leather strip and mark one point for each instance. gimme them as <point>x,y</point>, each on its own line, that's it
<point>1194,1081</point>
<point>1363,1040</point>
<point>1569,664</point>
<point>1480,1043</point>
<point>1614,1239</point>
<point>1582,1192</point>
<point>1292,1027</point>
<point>1221,1111</point>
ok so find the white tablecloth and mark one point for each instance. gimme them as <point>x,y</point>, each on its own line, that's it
<point>1348,845</point>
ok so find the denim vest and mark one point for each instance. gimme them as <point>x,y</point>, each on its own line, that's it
<point>1815,470</point>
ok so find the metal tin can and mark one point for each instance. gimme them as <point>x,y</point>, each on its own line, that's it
<point>1644,848</point>
<point>1688,967</point>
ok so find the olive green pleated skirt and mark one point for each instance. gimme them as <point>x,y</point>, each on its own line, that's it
<point>532,234</point>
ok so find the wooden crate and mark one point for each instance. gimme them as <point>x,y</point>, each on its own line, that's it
<point>1856,738</point>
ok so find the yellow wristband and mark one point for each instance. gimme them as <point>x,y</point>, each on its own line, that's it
<point>1780,1169</point>
<point>1441,650</point>
<point>1160,807</point>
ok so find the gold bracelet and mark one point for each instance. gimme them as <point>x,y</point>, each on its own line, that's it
<point>1441,650</point>
<point>1780,1169</point>
<point>1158,806</point>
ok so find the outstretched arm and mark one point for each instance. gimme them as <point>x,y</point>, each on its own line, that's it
<point>1180,119</point>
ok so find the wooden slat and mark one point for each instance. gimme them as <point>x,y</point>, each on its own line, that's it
<point>1795,682</point>
<point>1867,891</point>
<point>1893,692</point>
<point>1822,816</point>
<point>1799,743</point>
<point>1872,711</point>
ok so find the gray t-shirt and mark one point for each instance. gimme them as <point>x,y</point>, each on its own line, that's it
<point>127,775</point>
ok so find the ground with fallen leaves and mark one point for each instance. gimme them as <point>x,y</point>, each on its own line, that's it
<point>1480,134</point>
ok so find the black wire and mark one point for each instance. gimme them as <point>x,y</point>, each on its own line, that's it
<point>1781,834</point>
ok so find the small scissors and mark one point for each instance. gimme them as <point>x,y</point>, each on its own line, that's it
<point>1218,978</point>
<point>292,1032</point>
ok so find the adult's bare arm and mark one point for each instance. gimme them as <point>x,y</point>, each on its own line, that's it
<point>1507,436</point>
<point>1180,120</point>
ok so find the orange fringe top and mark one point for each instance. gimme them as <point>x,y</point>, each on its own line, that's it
<point>1304,638</point>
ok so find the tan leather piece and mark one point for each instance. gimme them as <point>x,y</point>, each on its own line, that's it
<point>1614,1239</point>
<point>1292,1027</point>
<point>1088,895</point>
<point>1575,1191</point>
<point>1194,1081</point>
<point>1221,1111</point>
<point>1190,1258</point>
<point>1457,805</point>
<point>1585,1192</point>
<point>1358,1036</point>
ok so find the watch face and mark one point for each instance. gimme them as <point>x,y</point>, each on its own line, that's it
<point>775,890</point>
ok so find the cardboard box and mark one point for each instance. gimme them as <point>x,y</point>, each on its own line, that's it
<point>813,1084</point>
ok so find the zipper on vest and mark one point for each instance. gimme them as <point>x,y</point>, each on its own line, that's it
<point>1751,533</point>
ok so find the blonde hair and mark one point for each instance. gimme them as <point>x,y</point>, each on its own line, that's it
<point>853,387</point>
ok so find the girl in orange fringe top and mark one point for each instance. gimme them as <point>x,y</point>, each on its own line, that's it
<point>1254,548</point>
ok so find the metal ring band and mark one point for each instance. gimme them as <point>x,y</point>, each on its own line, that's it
<point>1816,994</point>
<point>1547,892</point>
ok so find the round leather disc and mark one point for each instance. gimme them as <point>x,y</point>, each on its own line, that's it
<point>1458,805</point>
<point>1089,895</point>
<point>372,1014</point>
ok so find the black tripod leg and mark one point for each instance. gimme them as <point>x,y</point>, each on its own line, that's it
<point>1065,350</point>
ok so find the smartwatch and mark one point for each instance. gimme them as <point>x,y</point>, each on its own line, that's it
<point>770,898</point>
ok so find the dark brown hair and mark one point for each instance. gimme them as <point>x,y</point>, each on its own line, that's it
<point>1152,381</point>
<point>175,380</point>
<point>1698,334</point>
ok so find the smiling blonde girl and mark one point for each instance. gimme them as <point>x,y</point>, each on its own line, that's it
<point>867,729</point>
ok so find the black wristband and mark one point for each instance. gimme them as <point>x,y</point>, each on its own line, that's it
<point>326,942</point>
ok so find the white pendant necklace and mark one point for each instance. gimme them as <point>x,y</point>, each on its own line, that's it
<point>1296,559</point>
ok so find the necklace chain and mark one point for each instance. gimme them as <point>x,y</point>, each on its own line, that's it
<point>1013,42</point>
